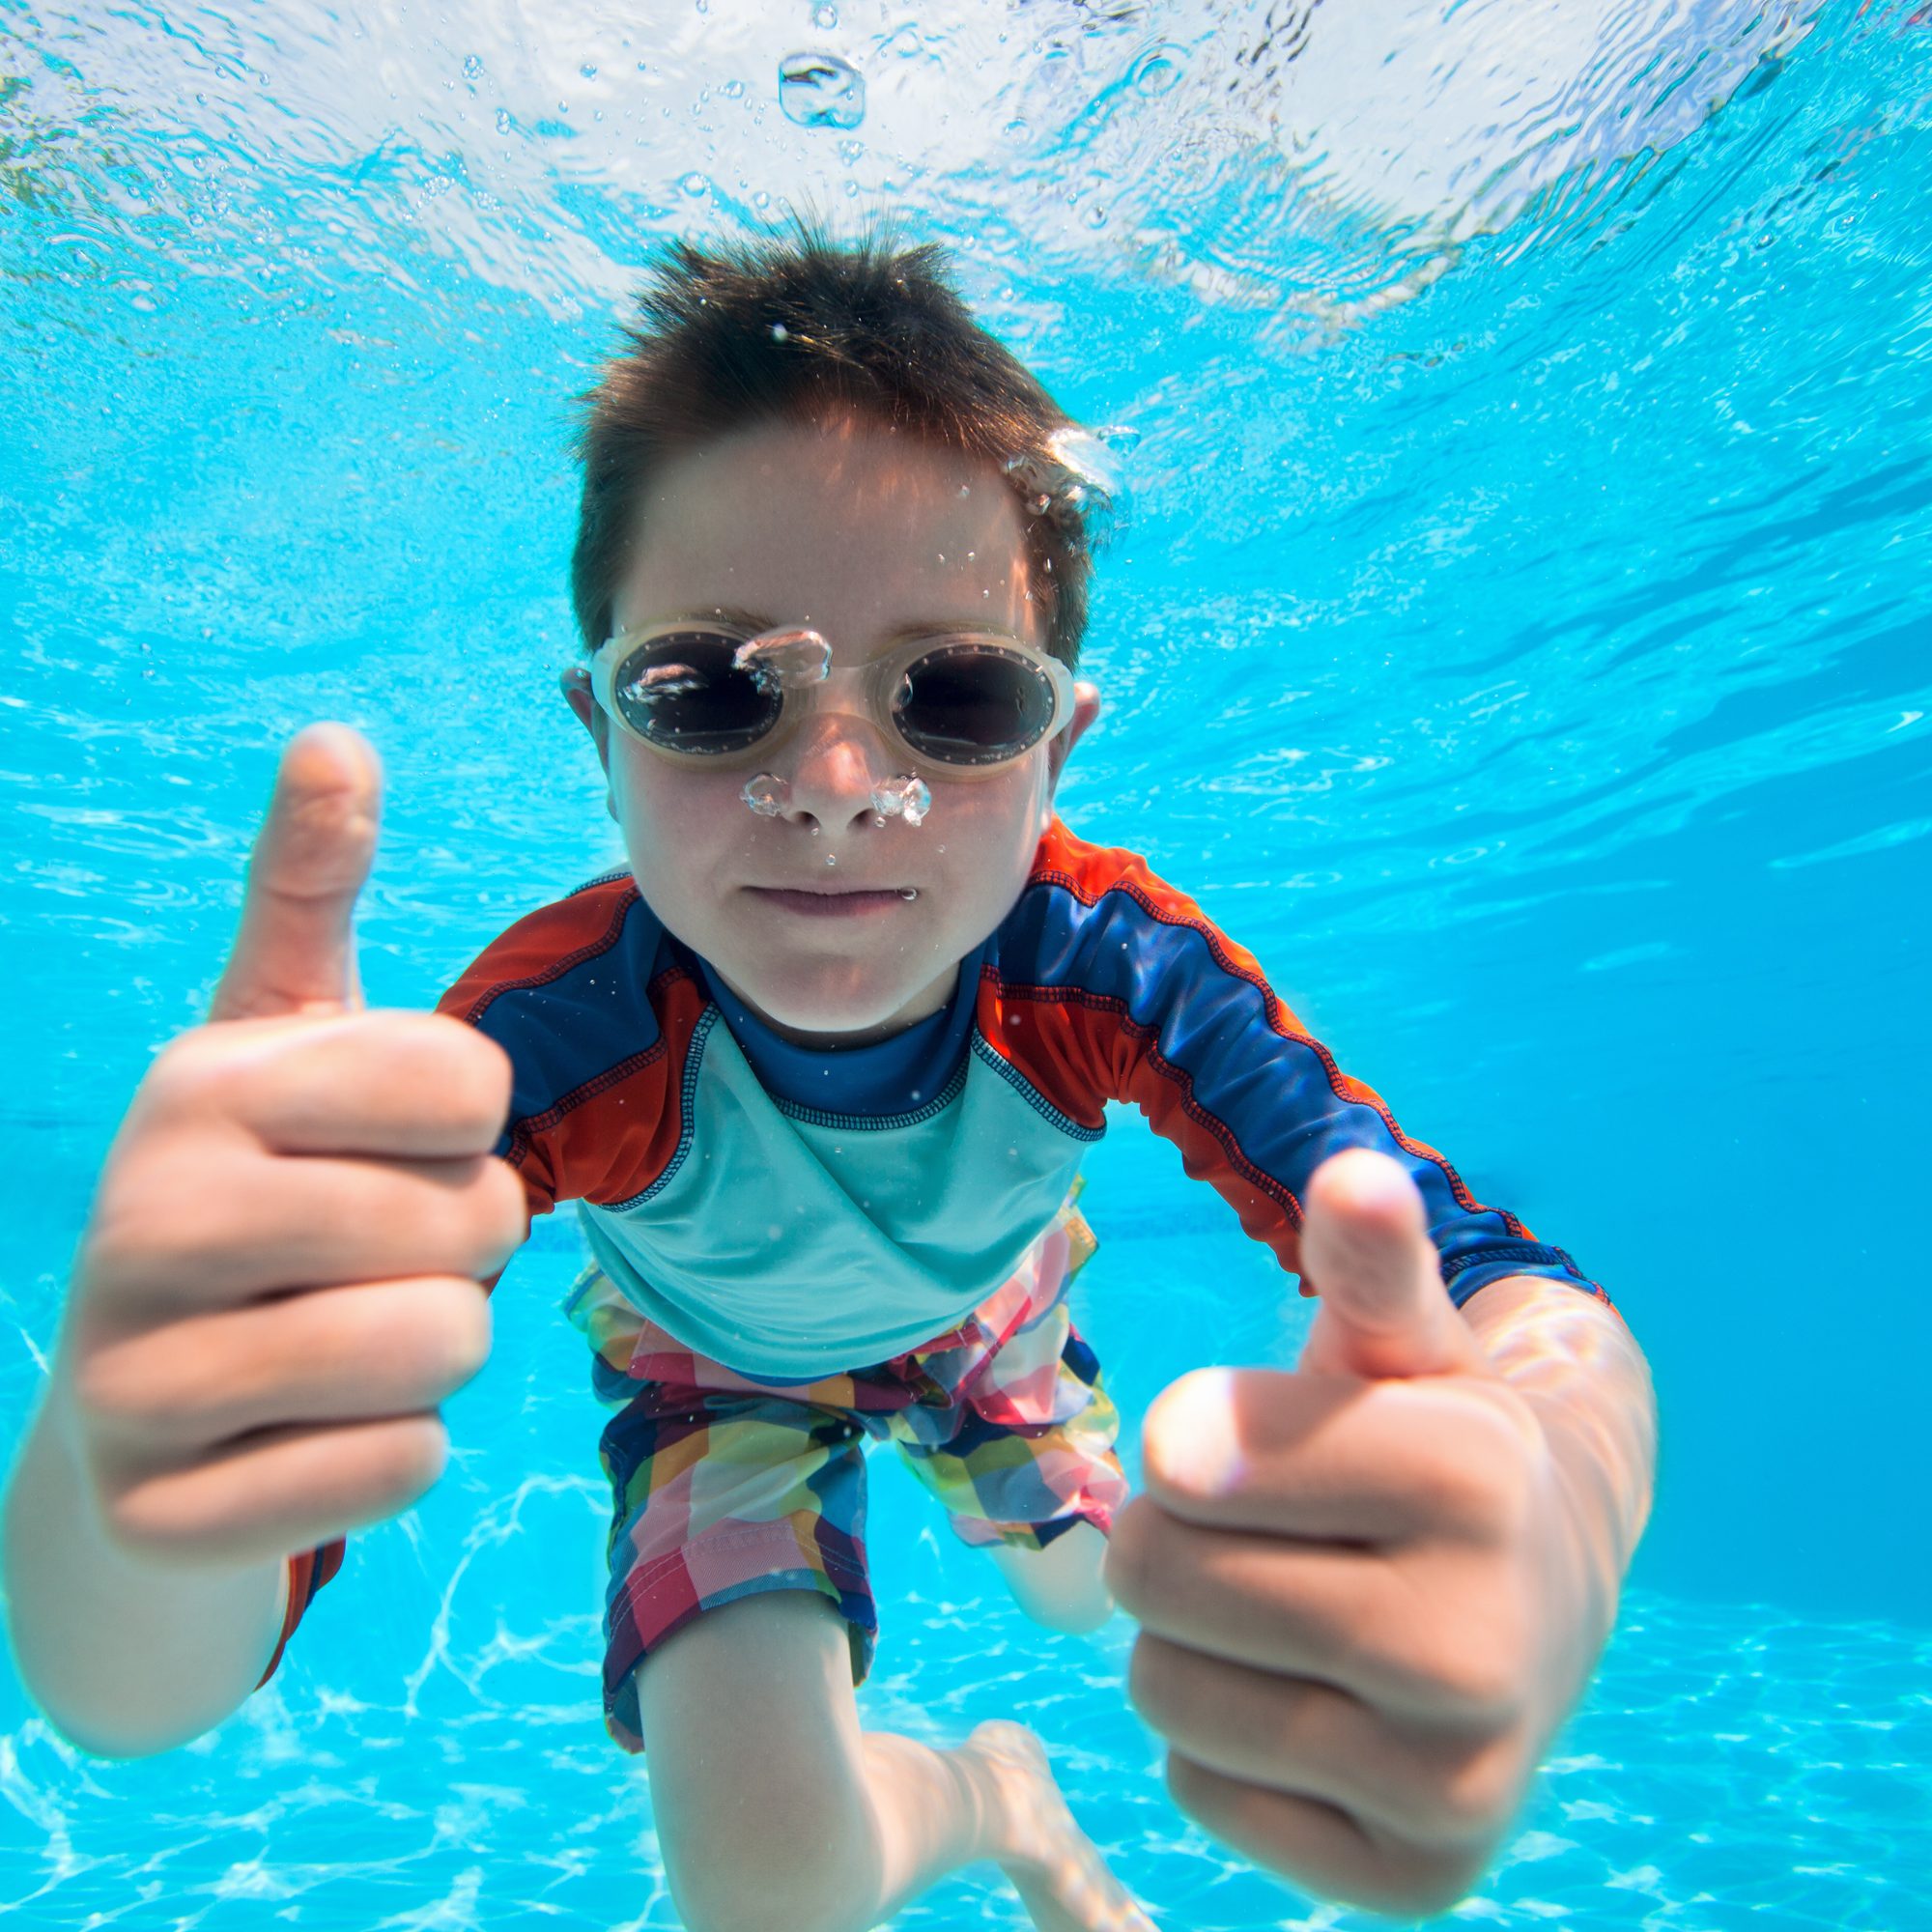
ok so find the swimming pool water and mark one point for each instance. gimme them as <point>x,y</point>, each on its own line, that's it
<point>1526,656</point>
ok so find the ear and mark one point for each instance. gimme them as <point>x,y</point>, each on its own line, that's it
<point>1086,708</point>
<point>574,683</point>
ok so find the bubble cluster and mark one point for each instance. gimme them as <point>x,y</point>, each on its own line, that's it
<point>904,797</point>
<point>767,794</point>
<point>1077,473</point>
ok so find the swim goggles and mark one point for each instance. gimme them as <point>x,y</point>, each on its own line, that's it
<point>702,689</point>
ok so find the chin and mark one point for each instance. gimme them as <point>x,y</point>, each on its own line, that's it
<point>789,999</point>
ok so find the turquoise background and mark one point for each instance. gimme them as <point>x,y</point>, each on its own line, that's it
<point>1535,674</point>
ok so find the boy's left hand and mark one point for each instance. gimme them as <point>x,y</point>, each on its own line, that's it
<point>1371,1590</point>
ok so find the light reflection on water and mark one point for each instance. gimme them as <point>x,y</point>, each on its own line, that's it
<point>1534,672</point>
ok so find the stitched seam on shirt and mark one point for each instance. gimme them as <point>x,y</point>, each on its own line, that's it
<point>1271,1006</point>
<point>1535,1254</point>
<point>687,1128</point>
<point>860,1124</point>
<point>1032,1095</point>
<point>609,878</point>
<point>524,1132</point>
<point>565,963</point>
<point>1210,1123</point>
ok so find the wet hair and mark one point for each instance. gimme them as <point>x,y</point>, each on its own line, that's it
<point>800,328</point>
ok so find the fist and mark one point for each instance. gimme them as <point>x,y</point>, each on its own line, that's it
<point>281,1278</point>
<point>1368,1589</point>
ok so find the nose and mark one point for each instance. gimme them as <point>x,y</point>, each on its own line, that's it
<point>837,759</point>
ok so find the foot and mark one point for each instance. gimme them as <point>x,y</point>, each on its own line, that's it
<point>1057,1869</point>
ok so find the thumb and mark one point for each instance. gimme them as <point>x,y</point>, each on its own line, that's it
<point>1365,1250</point>
<point>294,952</point>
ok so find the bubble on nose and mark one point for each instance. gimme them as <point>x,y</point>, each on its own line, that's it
<point>904,797</point>
<point>908,893</point>
<point>784,660</point>
<point>767,795</point>
<point>820,90</point>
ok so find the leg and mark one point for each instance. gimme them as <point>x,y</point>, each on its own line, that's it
<point>1060,1588</point>
<point>775,1813</point>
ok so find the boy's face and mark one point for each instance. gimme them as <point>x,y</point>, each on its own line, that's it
<point>867,537</point>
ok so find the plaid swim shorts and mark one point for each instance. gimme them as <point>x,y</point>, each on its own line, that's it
<point>723,1487</point>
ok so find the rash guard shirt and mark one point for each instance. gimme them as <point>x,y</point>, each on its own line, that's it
<point>792,1239</point>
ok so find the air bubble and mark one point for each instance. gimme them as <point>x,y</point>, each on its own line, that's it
<point>908,894</point>
<point>767,795</point>
<point>693,183</point>
<point>504,122</point>
<point>821,91</point>
<point>832,858</point>
<point>473,68</point>
<point>904,797</point>
<point>825,18</point>
<point>785,660</point>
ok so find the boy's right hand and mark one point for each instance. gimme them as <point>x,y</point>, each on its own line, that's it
<point>281,1277</point>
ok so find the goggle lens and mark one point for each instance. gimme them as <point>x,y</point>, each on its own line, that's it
<point>972,703</point>
<point>686,691</point>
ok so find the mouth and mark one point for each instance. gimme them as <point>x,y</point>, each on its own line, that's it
<point>840,903</point>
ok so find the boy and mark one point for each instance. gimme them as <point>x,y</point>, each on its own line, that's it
<point>820,1065</point>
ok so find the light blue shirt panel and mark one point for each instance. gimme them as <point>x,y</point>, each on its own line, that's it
<point>792,1246</point>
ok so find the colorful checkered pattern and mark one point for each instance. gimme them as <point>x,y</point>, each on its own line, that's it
<point>723,1487</point>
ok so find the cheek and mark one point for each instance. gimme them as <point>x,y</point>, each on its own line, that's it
<point>667,812</point>
<point>990,829</point>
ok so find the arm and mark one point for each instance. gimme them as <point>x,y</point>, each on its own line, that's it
<point>126,1659</point>
<point>1371,1590</point>
<point>278,1283</point>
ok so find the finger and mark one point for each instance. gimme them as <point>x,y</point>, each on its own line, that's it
<point>408,1085</point>
<point>1335,1458</point>
<point>335,1356</point>
<point>294,952</point>
<point>1431,1784</point>
<point>285,1491</point>
<point>1365,1250</point>
<point>164,1242</point>
<point>1322,1848</point>
<point>1423,1638</point>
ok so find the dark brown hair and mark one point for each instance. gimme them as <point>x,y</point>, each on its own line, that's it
<point>799,328</point>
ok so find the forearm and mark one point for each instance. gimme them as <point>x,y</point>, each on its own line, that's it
<point>1572,1357</point>
<point>125,1657</point>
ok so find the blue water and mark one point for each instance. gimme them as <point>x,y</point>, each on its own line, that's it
<point>1521,642</point>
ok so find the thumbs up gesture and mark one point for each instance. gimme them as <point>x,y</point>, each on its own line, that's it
<point>1370,1590</point>
<point>278,1286</point>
